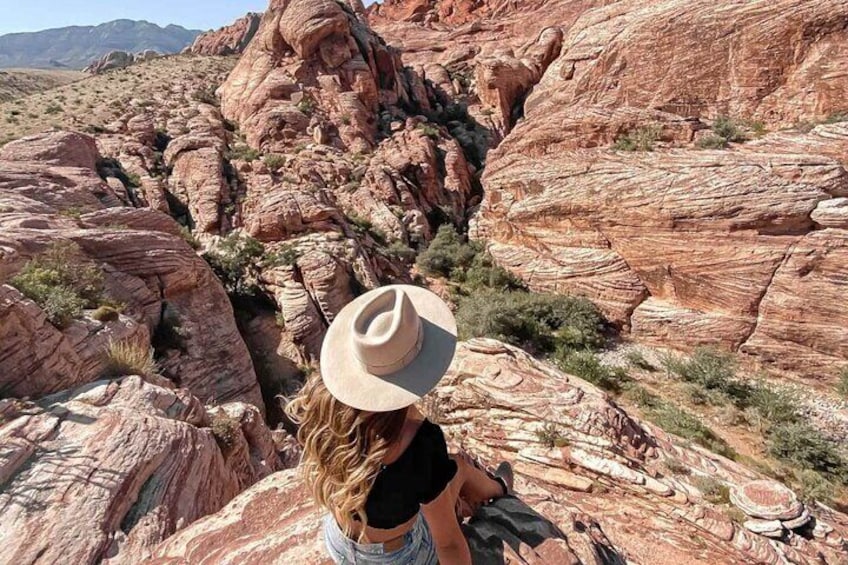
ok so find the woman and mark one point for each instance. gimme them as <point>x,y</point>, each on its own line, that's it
<point>370,458</point>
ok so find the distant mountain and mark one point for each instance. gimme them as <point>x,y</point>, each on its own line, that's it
<point>76,46</point>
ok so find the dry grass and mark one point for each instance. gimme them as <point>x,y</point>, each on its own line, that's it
<point>130,358</point>
<point>15,83</point>
<point>158,87</point>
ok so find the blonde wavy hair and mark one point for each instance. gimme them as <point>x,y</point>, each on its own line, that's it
<point>343,450</point>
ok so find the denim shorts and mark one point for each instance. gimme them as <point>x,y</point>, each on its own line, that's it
<point>418,548</point>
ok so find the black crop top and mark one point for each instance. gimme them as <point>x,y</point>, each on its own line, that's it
<point>417,477</point>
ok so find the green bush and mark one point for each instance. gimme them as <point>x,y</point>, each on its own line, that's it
<point>242,152</point>
<point>712,142</point>
<point>640,139</point>
<point>285,255</point>
<point>587,366</point>
<point>802,446</point>
<point>446,254</point>
<point>235,261</point>
<point>811,486</point>
<point>729,129</point>
<point>401,251</point>
<point>306,105</point>
<point>428,130</point>
<point>637,359</point>
<point>53,109</point>
<point>62,282</point>
<point>715,372</point>
<point>776,407</point>
<point>189,237</point>
<point>675,421</point>
<point>540,323</point>
<point>274,162</point>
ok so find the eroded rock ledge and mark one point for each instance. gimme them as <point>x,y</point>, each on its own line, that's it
<point>607,489</point>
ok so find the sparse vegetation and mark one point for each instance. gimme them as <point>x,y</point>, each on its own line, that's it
<point>800,445</point>
<point>837,117</point>
<point>842,385</point>
<point>53,109</point>
<point>242,152</point>
<point>550,436</point>
<point>106,314</point>
<point>235,260</point>
<point>401,252</point>
<point>226,431</point>
<point>189,237</point>
<point>286,255</point>
<point>540,323</point>
<point>587,366</point>
<point>430,131</point>
<point>726,131</point>
<point>640,139</point>
<point>129,358</point>
<point>306,105</point>
<point>62,282</point>
<point>637,360</point>
<point>274,162</point>
<point>713,490</point>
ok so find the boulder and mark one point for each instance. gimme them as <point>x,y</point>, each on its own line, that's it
<point>103,472</point>
<point>228,40</point>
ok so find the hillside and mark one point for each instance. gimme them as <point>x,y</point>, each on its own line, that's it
<point>638,210</point>
<point>15,83</point>
<point>75,47</point>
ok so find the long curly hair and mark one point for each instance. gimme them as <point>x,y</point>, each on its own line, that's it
<point>343,450</point>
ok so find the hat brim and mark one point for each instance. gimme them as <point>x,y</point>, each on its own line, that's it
<point>347,379</point>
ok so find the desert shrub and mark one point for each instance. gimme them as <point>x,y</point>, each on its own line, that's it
<point>712,142</point>
<point>306,105</point>
<point>189,237</point>
<point>129,358</point>
<point>74,212</point>
<point>540,323</point>
<point>447,253</point>
<point>550,436</point>
<point>53,109</point>
<point>640,139</point>
<point>401,251</point>
<point>169,333</point>
<point>776,407</point>
<point>280,319</point>
<point>715,372</point>
<point>428,130</point>
<point>61,282</point>
<point>729,129</point>
<point>285,255</point>
<point>842,384</point>
<point>274,162</point>
<point>713,490</point>
<point>106,314</point>
<point>587,366</point>
<point>483,273</point>
<point>636,359</point>
<point>225,430</point>
<point>235,261</point>
<point>812,486</point>
<point>837,117</point>
<point>802,446</point>
<point>675,421</point>
<point>242,152</point>
<point>676,467</point>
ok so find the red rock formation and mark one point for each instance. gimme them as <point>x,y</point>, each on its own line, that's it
<point>607,491</point>
<point>626,229</point>
<point>104,472</point>
<point>146,265</point>
<point>228,40</point>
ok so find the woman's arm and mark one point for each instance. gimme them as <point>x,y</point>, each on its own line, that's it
<point>451,546</point>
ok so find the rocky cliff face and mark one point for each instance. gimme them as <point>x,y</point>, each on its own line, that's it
<point>145,265</point>
<point>569,213</point>
<point>606,493</point>
<point>229,40</point>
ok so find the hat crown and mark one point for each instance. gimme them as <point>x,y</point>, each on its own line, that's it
<point>387,332</point>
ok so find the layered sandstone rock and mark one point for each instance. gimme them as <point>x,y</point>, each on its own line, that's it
<point>228,40</point>
<point>605,495</point>
<point>119,60</point>
<point>145,264</point>
<point>681,245</point>
<point>103,472</point>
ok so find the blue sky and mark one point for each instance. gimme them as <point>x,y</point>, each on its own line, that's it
<point>34,15</point>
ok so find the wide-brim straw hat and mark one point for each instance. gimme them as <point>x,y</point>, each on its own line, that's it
<point>388,348</point>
